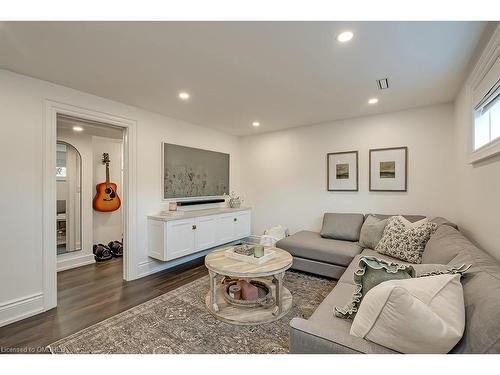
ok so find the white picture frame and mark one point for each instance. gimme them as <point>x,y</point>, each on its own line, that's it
<point>388,169</point>
<point>342,171</point>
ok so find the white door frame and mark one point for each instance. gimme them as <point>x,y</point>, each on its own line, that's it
<point>129,190</point>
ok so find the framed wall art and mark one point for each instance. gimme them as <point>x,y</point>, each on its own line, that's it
<point>342,171</point>
<point>388,169</point>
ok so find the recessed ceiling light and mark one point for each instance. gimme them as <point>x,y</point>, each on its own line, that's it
<point>373,101</point>
<point>77,128</point>
<point>345,36</point>
<point>183,95</point>
<point>256,124</point>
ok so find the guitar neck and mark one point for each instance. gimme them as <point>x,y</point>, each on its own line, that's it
<point>107,174</point>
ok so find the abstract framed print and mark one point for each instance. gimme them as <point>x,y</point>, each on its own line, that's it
<point>388,169</point>
<point>342,171</point>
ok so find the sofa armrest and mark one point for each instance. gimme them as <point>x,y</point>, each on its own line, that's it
<point>309,337</point>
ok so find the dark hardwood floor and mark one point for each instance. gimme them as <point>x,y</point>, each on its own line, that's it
<point>90,294</point>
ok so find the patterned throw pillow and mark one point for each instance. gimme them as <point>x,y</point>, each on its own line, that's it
<point>405,240</point>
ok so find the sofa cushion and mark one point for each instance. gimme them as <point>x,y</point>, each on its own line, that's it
<point>344,227</point>
<point>444,245</point>
<point>310,245</point>
<point>443,221</point>
<point>420,315</point>
<point>372,231</point>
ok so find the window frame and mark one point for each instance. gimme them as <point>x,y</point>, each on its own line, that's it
<point>485,63</point>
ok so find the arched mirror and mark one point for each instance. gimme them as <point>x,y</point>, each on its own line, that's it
<point>69,198</point>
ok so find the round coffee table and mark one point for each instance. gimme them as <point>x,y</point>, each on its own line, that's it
<point>219,264</point>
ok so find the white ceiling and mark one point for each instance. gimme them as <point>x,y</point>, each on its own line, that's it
<point>89,128</point>
<point>283,74</point>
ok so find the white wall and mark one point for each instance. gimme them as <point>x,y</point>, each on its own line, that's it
<point>478,186</point>
<point>21,121</point>
<point>284,173</point>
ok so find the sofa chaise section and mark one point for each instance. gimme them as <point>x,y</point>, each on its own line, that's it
<point>315,254</point>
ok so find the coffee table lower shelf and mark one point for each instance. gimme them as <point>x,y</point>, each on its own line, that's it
<point>248,315</point>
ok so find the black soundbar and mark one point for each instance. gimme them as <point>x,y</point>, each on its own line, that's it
<point>201,201</point>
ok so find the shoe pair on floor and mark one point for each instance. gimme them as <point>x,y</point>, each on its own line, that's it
<point>106,252</point>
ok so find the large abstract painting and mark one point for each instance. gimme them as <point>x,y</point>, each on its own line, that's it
<point>193,172</point>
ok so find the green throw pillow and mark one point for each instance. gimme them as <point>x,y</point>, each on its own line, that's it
<point>373,271</point>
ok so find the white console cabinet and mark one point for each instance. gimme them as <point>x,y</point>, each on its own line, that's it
<point>171,236</point>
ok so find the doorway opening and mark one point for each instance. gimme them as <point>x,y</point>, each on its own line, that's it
<point>89,180</point>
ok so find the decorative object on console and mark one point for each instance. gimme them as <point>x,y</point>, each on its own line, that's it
<point>172,206</point>
<point>421,315</point>
<point>106,198</point>
<point>388,169</point>
<point>193,172</point>
<point>342,171</point>
<point>405,240</point>
<point>234,200</point>
<point>372,231</point>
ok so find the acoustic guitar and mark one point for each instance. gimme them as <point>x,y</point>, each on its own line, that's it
<point>106,198</point>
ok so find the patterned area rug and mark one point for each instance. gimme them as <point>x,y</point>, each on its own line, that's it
<point>178,322</point>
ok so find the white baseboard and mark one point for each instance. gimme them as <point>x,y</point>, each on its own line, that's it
<point>73,262</point>
<point>150,266</point>
<point>21,308</point>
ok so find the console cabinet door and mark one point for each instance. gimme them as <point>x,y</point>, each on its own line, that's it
<point>205,232</point>
<point>180,238</point>
<point>242,224</point>
<point>225,228</point>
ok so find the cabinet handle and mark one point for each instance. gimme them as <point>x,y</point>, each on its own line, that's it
<point>235,219</point>
<point>194,227</point>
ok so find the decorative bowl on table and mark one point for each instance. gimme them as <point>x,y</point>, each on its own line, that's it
<point>265,297</point>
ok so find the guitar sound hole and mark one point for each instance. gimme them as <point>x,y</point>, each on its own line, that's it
<point>108,191</point>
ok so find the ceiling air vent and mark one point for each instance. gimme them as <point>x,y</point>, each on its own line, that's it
<point>383,83</point>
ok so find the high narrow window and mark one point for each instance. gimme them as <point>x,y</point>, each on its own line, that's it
<point>487,118</point>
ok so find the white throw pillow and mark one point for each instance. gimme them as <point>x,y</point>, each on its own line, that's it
<point>422,315</point>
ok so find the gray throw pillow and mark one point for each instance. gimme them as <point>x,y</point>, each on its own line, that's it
<point>372,232</point>
<point>405,240</point>
<point>344,227</point>
<point>373,271</point>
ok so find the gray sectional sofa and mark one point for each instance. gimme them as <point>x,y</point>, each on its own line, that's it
<point>323,332</point>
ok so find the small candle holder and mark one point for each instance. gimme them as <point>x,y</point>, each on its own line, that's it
<point>258,251</point>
